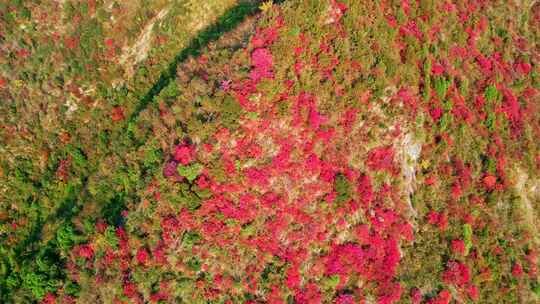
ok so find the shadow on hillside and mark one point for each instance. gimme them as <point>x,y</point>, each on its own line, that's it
<point>226,23</point>
<point>28,249</point>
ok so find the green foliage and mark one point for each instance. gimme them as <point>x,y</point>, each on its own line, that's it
<point>194,263</point>
<point>427,80</point>
<point>170,91</point>
<point>152,157</point>
<point>248,230</point>
<point>36,284</point>
<point>65,236</point>
<point>77,156</point>
<point>191,171</point>
<point>490,121</point>
<point>231,111</point>
<point>491,93</point>
<point>330,282</point>
<point>343,188</point>
<point>445,122</point>
<point>111,212</point>
<point>42,274</point>
<point>89,226</point>
<point>441,86</point>
<point>252,115</point>
<point>536,289</point>
<point>72,288</point>
<point>190,238</point>
<point>467,237</point>
<point>110,237</point>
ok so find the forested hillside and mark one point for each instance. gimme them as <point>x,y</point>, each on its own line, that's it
<point>233,151</point>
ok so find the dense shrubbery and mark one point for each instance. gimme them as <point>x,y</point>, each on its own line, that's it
<point>325,152</point>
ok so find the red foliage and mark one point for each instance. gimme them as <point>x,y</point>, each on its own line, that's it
<point>437,69</point>
<point>184,153</point>
<point>489,181</point>
<point>23,53</point>
<point>517,270</point>
<point>203,182</point>
<point>444,297</point>
<point>391,293</point>
<point>130,290</point>
<point>109,42</point>
<point>49,299</point>
<point>522,67</point>
<point>512,108</point>
<point>345,299</point>
<point>309,295</point>
<point>63,169</point>
<point>365,190</point>
<point>345,259</point>
<point>443,222</point>
<point>257,177</point>
<point>336,11</point>
<point>262,62</point>
<point>456,191</point>
<point>411,29</point>
<point>159,296</point>
<point>142,256</point>
<point>261,58</point>
<point>101,225</point>
<point>436,113</point>
<point>381,158</point>
<point>85,251</point>
<point>430,180</point>
<point>170,170</point>
<point>117,114</point>
<point>71,42</point>
<point>456,273</point>
<point>458,247</point>
<point>440,219</point>
<point>293,277</point>
<point>472,292</point>
<point>416,296</point>
<point>349,119</point>
<point>264,37</point>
